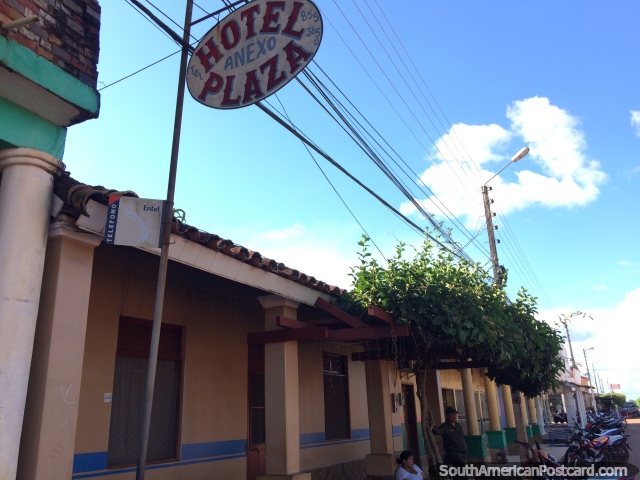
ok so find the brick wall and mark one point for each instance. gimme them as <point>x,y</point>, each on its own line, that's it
<point>66,34</point>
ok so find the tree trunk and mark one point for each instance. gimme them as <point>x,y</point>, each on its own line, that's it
<point>430,446</point>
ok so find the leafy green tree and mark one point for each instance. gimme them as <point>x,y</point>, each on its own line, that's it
<point>613,398</point>
<point>455,311</point>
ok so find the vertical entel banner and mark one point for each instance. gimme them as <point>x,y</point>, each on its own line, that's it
<point>253,52</point>
<point>136,222</point>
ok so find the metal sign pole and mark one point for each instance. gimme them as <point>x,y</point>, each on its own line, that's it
<point>164,253</point>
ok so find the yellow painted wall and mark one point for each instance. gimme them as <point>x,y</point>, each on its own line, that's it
<point>452,379</point>
<point>312,406</point>
<point>217,317</point>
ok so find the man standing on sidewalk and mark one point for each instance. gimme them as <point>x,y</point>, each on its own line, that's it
<point>455,446</point>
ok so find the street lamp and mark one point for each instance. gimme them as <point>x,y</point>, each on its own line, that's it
<point>497,270</point>
<point>584,351</point>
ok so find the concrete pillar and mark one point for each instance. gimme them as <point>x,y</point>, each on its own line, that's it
<point>492,404</point>
<point>511,433</point>
<point>496,437</point>
<point>522,419</point>
<point>533,414</point>
<point>381,462</point>
<point>51,414</point>
<point>476,442</point>
<point>580,407</point>
<point>434,397</point>
<point>508,406</point>
<point>282,409</point>
<point>25,204</point>
<point>469,402</point>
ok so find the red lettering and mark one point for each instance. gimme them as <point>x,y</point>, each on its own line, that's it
<point>295,55</point>
<point>205,56</point>
<point>235,33</point>
<point>252,88</point>
<point>227,100</point>
<point>249,15</point>
<point>293,18</point>
<point>272,65</point>
<point>212,85</point>
<point>271,16</point>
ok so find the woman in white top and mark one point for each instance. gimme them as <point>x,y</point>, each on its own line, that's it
<point>408,470</point>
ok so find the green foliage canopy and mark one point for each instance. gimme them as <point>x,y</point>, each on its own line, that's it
<point>454,311</point>
<point>610,398</point>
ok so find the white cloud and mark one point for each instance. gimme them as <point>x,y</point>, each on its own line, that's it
<point>611,333</point>
<point>600,288</point>
<point>624,262</point>
<point>635,121</point>
<point>567,177</point>
<point>631,172</point>
<point>315,251</point>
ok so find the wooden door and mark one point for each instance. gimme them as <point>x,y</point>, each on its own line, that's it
<point>256,456</point>
<point>411,423</point>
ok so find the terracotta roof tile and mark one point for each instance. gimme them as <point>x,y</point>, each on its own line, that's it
<point>76,195</point>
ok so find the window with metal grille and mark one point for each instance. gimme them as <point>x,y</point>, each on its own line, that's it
<point>336,396</point>
<point>129,384</point>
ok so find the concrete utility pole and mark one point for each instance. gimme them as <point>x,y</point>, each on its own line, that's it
<point>573,360</point>
<point>492,239</point>
<point>497,269</point>
<point>595,379</point>
<point>584,351</point>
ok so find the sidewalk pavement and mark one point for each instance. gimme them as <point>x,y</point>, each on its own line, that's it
<point>557,451</point>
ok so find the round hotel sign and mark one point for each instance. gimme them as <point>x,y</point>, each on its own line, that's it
<point>254,52</point>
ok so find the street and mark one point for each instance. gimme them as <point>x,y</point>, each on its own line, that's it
<point>633,429</point>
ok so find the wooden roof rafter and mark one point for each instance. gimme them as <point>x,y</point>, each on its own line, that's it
<point>317,330</point>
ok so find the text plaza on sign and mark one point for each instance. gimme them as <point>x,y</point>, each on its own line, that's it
<point>253,52</point>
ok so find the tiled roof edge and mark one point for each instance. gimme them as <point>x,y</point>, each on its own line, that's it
<point>76,195</point>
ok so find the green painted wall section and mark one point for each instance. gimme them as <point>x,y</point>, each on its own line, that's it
<point>420,439</point>
<point>22,128</point>
<point>476,445</point>
<point>497,440</point>
<point>511,434</point>
<point>50,76</point>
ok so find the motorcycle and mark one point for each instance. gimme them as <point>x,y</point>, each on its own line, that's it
<point>583,451</point>
<point>617,444</point>
<point>560,418</point>
<point>536,457</point>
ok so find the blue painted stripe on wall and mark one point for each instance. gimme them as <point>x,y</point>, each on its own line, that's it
<point>213,449</point>
<point>89,462</point>
<point>397,430</point>
<point>155,467</point>
<point>360,433</point>
<point>311,438</point>
<point>318,439</point>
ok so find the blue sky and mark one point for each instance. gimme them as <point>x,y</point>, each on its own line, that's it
<point>561,78</point>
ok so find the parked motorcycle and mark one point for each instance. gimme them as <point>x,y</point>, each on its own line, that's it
<point>536,457</point>
<point>583,451</point>
<point>617,444</point>
<point>560,418</point>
